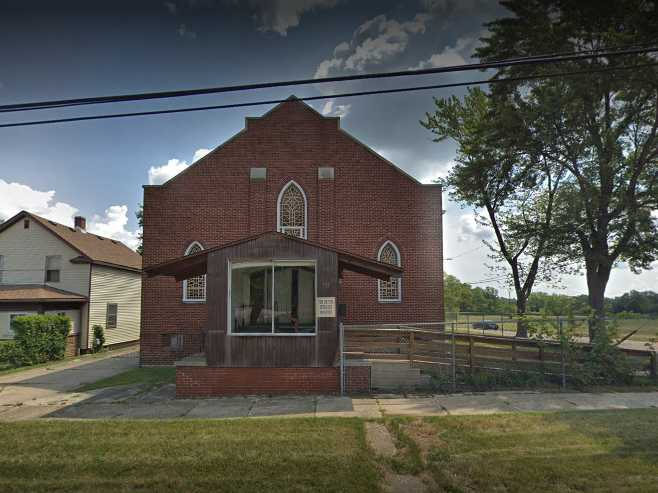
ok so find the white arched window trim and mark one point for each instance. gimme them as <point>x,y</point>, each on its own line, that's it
<point>279,228</point>
<point>397,280</point>
<point>185,294</point>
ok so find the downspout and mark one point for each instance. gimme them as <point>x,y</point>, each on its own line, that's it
<point>341,330</point>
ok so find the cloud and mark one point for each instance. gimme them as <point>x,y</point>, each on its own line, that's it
<point>470,229</point>
<point>199,153</point>
<point>113,225</point>
<point>280,15</point>
<point>374,42</point>
<point>15,197</point>
<point>171,7</point>
<point>340,110</point>
<point>458,54</point>
<point>159,174</point>
<point>185,32</point>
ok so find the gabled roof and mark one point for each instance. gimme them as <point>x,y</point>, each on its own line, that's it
<point>92,248</point>
<point>37,293</point>
<point>196,264</point>
<point>295,100</point>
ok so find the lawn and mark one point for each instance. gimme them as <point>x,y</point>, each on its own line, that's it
<point>647,329</point>
<point>298,455</point>
<point>610,451</point>
<point>151,377</point>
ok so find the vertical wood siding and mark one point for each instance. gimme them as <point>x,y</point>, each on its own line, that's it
<point>223,349</point>
<point>123,288</point>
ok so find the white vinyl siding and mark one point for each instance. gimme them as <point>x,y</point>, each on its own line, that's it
<point>120,287</point>
<point>24,253</point>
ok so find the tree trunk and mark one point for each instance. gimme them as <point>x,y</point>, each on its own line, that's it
<point>598,275</point>
<point>521,325</point>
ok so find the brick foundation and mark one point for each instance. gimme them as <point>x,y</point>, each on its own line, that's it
<point>204,381</point>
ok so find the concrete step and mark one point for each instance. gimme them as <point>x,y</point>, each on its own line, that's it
<point>393,375</point>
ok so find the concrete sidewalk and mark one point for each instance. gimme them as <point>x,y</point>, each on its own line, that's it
<point>135,402</point>
<point>35,392</point>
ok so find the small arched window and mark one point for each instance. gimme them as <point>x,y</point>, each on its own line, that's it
<point>291,211</point>
<point>194,288</point>
<point>389,291</point>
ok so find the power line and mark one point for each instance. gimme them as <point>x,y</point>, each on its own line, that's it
<point>465,253</point>
<point>316,98</point>
<point>521,61</point>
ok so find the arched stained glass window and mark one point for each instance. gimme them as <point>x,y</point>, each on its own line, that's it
<point>194,288</point>
<point>292,211</point>
<point>389,291</point>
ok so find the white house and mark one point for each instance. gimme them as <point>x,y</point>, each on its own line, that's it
<point>46,267</point>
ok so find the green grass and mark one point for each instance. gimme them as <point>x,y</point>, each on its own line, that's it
<point>298,455</point>
<point>647,328</point>
<point>151,377</point>
<point>610,451</point>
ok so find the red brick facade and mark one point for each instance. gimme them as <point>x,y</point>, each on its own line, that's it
<point>368,202</point>
<point>204,381</point>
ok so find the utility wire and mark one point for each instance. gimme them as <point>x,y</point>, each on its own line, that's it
<point>465,253</point>
<point>316,98</point>
<point>530,60</point>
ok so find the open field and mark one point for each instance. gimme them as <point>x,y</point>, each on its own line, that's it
<point>328,455</point>
<point>609,451</point>
<point>647,328</point>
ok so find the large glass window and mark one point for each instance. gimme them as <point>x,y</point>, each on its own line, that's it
<point>273,298</point>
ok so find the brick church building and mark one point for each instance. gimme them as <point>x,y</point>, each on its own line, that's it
<point>249,239</point>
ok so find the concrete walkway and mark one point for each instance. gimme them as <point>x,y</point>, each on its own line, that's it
<point>39,391</point>
<point>136,402</point>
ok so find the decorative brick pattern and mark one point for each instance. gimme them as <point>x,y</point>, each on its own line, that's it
<point>368,202</point>
<point>205,381</point>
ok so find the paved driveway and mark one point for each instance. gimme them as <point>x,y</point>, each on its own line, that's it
<point>37,392</point>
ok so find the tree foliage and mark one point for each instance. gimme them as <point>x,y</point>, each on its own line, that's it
<point>517,187</point>
<point>602,127</point>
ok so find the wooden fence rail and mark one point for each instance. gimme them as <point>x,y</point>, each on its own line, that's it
<point>431,348</point>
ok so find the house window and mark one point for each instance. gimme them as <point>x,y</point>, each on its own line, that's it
<point>112,314</point>
<point>272,298</point>
<point>291,211</point>
<point>389,291</point>
<point>194,289</point>
<point>26,223</point>
<point>53,265</point>
<point>2,268</point>
<point>176,342</point>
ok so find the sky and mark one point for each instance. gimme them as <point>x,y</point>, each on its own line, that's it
<point>66,49</point>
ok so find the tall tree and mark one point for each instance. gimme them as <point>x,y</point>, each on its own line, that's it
<point>601,126</point>
<point>516,186</point>
<point>140,222</point>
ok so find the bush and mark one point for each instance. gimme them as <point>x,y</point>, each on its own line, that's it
<point>39,338</point>
<point>7,351</point>
<point>99,338</point>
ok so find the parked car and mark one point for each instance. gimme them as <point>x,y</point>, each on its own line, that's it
<point>485,325</point>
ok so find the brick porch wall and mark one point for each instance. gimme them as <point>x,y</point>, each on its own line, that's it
<point>72,346</point>
<point>203,381</point>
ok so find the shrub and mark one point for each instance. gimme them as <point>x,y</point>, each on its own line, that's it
<point>39,338</point>
<point>8,351</point>
<point>99,338</point>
